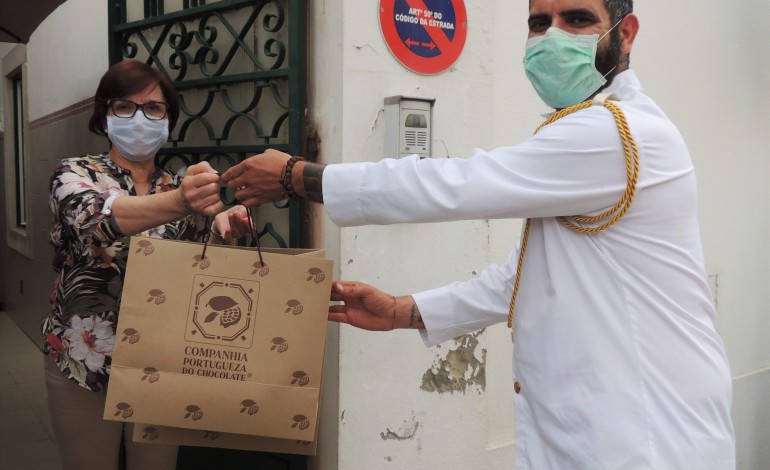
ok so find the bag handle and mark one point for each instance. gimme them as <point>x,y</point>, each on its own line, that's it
<point>254,237</point>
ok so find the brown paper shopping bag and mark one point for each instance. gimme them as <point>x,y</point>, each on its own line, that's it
<point>155,434</point>
<point>221,343</point>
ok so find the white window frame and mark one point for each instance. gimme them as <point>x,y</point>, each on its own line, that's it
<point>19,227</point>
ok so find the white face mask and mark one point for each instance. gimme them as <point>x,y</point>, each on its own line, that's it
<point>137,138</point>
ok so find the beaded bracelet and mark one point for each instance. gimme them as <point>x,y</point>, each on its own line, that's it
<point>285,180</point>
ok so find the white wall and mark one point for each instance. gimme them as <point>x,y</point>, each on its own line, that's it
<point>386,419</point>
<point>67,55</point>
<point>703,62</point>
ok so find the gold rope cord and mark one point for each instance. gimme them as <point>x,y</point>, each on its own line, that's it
<point>606,218</point>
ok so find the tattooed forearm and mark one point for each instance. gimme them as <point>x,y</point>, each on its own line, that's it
<point>312,176</point>
<point>415,319</point>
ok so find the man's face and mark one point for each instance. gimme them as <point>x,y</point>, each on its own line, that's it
<point>578,17</point>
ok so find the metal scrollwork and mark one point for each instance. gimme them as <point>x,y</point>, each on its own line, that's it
<point>206,36</point>
<point>236,66</point>
<point>179,58</point>
<point>273,23</point>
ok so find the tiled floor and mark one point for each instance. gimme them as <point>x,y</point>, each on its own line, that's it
<point>26,441</point>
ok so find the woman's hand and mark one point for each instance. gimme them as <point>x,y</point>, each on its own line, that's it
<point>199,191</point>
<point>231,225</point>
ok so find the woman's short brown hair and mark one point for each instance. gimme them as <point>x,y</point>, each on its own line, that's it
<point>124,79</point>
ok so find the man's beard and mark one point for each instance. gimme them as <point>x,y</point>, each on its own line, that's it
<point>608,58</point>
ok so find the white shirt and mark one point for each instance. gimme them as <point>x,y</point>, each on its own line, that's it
<point>615,350</point>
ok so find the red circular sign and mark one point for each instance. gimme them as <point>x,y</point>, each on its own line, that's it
<point>426,36</point>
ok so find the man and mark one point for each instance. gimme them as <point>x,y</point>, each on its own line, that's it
<point>617,362</point>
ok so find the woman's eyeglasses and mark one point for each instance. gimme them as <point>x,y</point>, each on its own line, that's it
<point>153,110</point>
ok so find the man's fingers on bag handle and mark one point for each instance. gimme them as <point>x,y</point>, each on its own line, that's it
<point>232,172</point>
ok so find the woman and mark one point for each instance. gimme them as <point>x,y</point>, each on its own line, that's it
<point>97,203</point>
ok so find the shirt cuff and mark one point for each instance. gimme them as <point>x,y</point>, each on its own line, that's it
<point>107,206</point>
<point>342,194</point>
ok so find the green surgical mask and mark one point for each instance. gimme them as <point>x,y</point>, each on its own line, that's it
<point>561,66</point>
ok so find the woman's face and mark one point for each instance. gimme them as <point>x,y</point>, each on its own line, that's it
<point>136,138</point>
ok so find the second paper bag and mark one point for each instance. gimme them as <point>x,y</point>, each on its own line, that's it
<point>221,342</point>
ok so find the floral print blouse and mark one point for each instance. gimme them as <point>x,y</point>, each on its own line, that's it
<point>90,261</point>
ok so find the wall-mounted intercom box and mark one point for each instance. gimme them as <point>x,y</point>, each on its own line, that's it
<point>408,125</point>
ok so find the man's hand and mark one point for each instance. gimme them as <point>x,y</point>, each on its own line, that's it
<point>200,190</point>
<point>371,309</point>
<point>257,179</point>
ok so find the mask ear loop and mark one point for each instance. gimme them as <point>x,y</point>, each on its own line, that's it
<point>602,37</point>
<point>610,30</point>
<point>254,237</point>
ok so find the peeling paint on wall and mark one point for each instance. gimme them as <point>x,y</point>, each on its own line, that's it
<point>461,368</point>
<point>406,432</point>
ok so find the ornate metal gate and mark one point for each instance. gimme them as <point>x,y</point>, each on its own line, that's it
<point>239,70</point>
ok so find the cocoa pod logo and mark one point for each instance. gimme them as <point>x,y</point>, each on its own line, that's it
<point>249,406</point>
<point>316,275</point>
<point>300,378</point>
<point>294,306</point>
<point>150,433</point>
<point>157,295</point>
<point>213,435</point>
<point>301,421</point>
<point>145,247</point>
<point>279,344</point>
<point>201,262</point>
<point>124,410</point>
<point>226,309</point>
<point>130,335</point>
<point>151,374</point>
<point>261,270</point>
<point>194,412</point>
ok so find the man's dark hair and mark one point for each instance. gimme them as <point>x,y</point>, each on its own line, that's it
<point>619,9</point>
